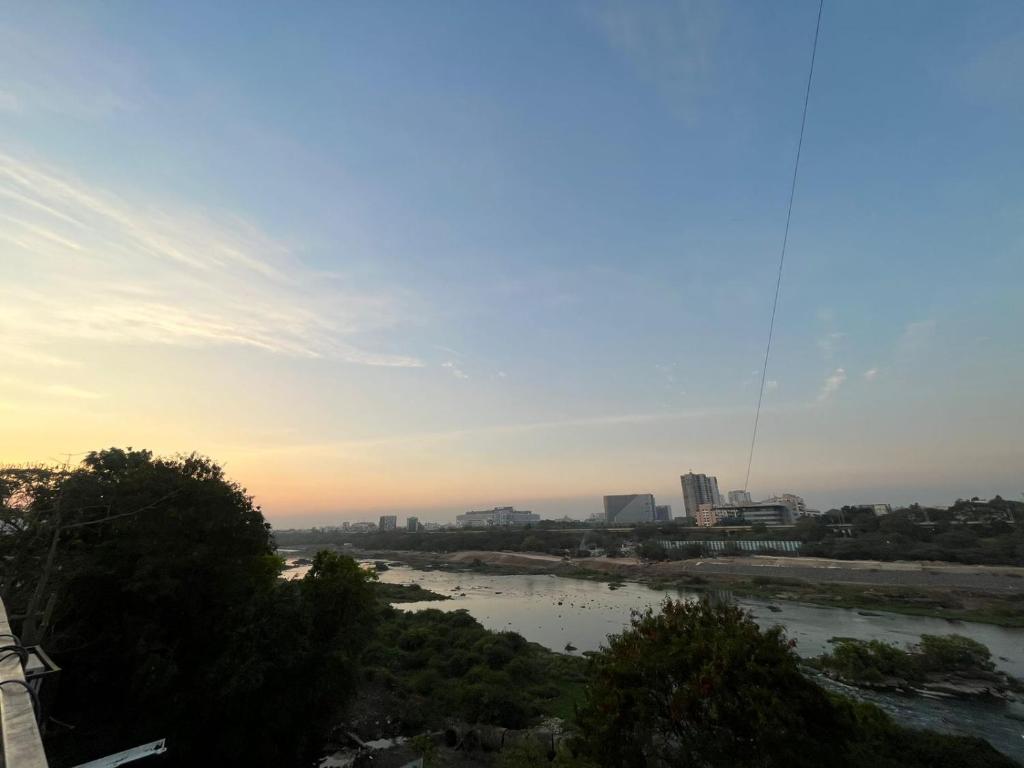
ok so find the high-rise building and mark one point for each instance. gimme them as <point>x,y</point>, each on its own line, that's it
<point>697,490</point>
<point>629,508</point>
<point>663,513</point>
<point>412,524</point>
<point>499,516</point>
<point>388,523</point>
<point>740,497</point>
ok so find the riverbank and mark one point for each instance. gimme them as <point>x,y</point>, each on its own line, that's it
<point>986,594</point>
<point>550,612</point>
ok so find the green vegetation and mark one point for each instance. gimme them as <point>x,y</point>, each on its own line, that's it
<point>975,532</point>
<point>1002,610</point>
<point>701,684</point>
<point>155,585</point>
<point>935,658</point>
<point>446,662</point>
<point>401,593</point>
<point>970,531</point>
<point>163,607</point>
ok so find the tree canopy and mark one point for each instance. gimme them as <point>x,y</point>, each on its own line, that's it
<point>701,684</point>
<point>167,613</point>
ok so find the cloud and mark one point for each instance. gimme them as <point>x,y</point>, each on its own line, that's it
<point>62,66</point>
<point>62,390</point>
<point>669,43</point>
<point>457,372</point>
<point>832,384</point>
<point>870,374</point>
<point>828,343</point>
<point>90,266</point>
<point>610,420</point>
<point>917,333</point>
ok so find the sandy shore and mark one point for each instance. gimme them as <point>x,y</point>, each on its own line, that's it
<point>1000,580</point>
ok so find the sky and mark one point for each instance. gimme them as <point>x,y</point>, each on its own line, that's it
<point>424,257</point>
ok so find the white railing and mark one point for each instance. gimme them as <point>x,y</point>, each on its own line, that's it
<point>19,732</point>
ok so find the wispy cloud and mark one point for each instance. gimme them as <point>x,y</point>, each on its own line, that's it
<point>90,266</point>
<point>917,333</point>
<point>671,43</point>
<point>526,427</point>
<point>64,67</point>
<point>63,390</point>
<point>870,374</point>
<point>832,384</point>
<point>829,342</point>
<point>455,371</point>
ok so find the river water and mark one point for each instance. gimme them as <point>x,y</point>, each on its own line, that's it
<point>556,612</point>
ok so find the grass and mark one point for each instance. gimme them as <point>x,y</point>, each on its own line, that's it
<point>957,606</point>
<point>405,593</point>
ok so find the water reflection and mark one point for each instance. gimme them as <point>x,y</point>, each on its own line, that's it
<point>558,612</point>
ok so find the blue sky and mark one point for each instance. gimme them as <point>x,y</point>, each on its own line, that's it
<point>414,256</point>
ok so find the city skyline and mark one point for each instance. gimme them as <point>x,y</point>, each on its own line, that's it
<point>404,269</point>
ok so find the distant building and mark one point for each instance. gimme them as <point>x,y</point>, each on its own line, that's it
<point>499,516</point>
<point>751,514</point>
<point>740,497</point>
<point>629,508</point>
<point>412,524</point>
<point>388,523</point>
<point>697,490</point>
<point>663,513</point>
<point>878,509</point>
<point>791,500</point>
<point>767,513</point>
<point>708,515</point>
<point>363,527</point>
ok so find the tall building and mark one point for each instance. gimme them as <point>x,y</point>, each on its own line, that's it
<point>697,490</point>
<point>412,524</point>
<point>499,516</point>
<point>663,513</point>
<point>629,508</point>
<point>740,497</point>
<point>388,523</point>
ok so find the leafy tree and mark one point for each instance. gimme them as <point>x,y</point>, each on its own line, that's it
<point>947,653</point>
<point>700,684</point>
<point>167,613</point>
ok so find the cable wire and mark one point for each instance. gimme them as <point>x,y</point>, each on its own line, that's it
<point>785,241</point>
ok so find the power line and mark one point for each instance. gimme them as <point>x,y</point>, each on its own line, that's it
<point>785,241</point>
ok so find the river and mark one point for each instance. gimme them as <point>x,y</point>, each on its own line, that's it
<point>556,611</point>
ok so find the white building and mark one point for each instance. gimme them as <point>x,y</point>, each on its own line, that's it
<point>791,500</point>
<point>499,516</point>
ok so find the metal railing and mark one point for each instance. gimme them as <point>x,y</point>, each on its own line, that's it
<point>22,745</point>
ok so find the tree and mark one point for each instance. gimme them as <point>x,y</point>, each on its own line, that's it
<point>701,684</point>
<point>169,618</point>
